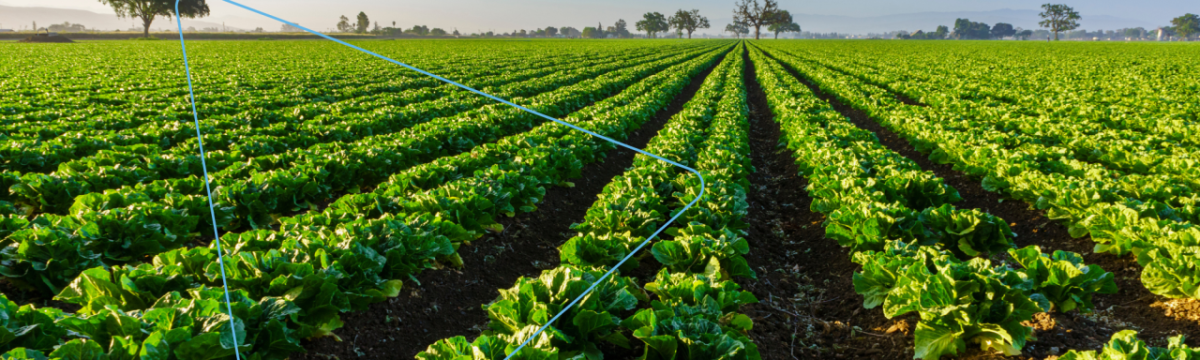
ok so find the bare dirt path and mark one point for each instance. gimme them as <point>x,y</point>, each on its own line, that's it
<point>808,308</point>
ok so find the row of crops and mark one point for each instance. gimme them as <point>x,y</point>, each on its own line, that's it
<point>338,180</point>
<point>1131,189</point>
<point>1124,183</point>
<point>127,251</point>
<point>694,311</point>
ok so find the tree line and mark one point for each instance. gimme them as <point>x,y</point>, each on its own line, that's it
<point>363,25</point>
<point>1056,19</point>
<point>747,15</point>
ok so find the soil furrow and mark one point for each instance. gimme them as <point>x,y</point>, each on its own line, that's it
<point>1133,307</point>
<point>807,301</point>
<point>448,301</point>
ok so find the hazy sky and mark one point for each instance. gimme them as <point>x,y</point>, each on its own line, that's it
<point>503,16</point>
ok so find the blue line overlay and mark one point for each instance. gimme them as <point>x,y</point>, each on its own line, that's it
<point>216,234</point>
<point>464,87</point>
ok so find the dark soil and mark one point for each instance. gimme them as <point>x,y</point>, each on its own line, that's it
<point>46,39</point>
<point>1133,307</point>
<point>22,295</point>
<point>447,302</point>
<point>808,308</point>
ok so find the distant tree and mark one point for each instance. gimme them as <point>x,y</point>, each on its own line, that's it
<point>1002,30</point>
<point>688,21</point>
<point>966,29</point>
<point>1059,18</point>
<point>738,29</point>
<point>941,33</point>
<point>437,31</point>
<point>783,23</point>
<point>456,32</point>
<point>570,32</point>
<point>749,12</point>
<point>550,31</point>
<point>1024,34</point>
<point>1186,25</point>
<point>147,10</point>
<point>343,24</point>
<point>677,22</point>
<point>652,23</point>
<point>591,32</point>
<point>363,23</point>
<point>620,29</point>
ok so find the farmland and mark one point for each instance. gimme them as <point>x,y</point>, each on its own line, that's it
<point>891,200</point>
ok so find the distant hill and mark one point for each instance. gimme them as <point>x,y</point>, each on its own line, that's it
<point>12,17</point>
<point>927,21</point>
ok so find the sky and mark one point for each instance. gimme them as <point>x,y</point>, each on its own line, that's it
<point>504,16</point>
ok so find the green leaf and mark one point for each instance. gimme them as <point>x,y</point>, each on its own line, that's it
<point>23,354</point>
<point>591,322</point>
<point>123,348</point>
<point>79,349</point>
<point>670,253</point>
<point>935,341</point>
<point>455,348</point>
<point>663,345</point>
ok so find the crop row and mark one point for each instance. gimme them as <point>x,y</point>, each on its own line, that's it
<point>693,301</point>
<point>919,253</point>
<point>290,143</point>
<point>1118,89</point>
<point>122,225</point>
<point>233,76</point>
<point>119,113</point>
<point>1133,156</point>
<point>267,130</point>
<point>1089,199</point>
<point>293,284</point>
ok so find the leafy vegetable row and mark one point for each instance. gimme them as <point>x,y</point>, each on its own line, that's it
<point>1125,345</point>
<point>54,143</point>
<point>1131,156</point>
<point>303,277</point>
<point>124,166</point>
<point>235,76</point>
<point>1142,88</point>
<point>1169,196</point>
<point>275,86</point>
<point>919,253</point>
<point>122,225</point>
<point>700,308</point>
<point>231,127</point>
<point>1165,239</point>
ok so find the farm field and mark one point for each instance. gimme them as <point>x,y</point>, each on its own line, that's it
<point>863,199</point>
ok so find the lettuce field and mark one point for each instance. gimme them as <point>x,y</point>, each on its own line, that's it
<point>862,200</point>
